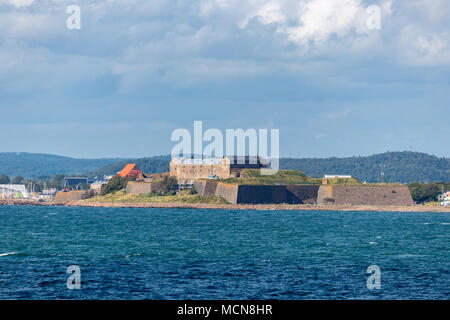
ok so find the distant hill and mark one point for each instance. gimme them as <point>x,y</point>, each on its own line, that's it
<point>32,165</point>
<point>404,167</point>
<point>147,165</point>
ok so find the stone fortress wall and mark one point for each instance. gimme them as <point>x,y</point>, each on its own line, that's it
<point>392,195</point>
<point>137,187</point>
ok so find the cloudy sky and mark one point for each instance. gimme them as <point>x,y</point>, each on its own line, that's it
<point>138,69</point>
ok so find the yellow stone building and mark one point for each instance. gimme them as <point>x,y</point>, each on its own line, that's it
<point>188,169</point>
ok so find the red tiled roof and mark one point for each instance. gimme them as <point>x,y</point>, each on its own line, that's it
<point>127,169</point>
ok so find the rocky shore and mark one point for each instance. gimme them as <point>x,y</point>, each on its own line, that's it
<point>306,207</point>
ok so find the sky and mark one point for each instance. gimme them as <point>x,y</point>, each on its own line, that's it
<point>137,70</point>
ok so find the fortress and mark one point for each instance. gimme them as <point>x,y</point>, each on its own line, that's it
<point>236,180</point>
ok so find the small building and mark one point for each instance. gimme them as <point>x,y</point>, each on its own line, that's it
<point>328,178</point>
<point>97,185</point>
<point>47,194</point>
<point>445,200</point>
<point>131,170</point>
<point>337,176</point>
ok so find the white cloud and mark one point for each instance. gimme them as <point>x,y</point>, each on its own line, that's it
<point>21,3</point>
<point>319,19</point>
<point>266,14</point>
<point>425,48</point>
<point>190,42</point>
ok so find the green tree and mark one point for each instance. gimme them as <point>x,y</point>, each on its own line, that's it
<point>116,183</point>
<point>57,181</point>
<point>88,194</point>
<point>168,184</point>
<point>4,179</point>
<point>18,180</point>
<point>425,192</point>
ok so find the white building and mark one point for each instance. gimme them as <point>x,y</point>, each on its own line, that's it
<point>13,191</point>
<point>445,200</point>
<point>327,176</point>
<point>99,183</point>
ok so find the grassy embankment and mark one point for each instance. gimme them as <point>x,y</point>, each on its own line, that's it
<point>253,176</point>
<point>122,197</point>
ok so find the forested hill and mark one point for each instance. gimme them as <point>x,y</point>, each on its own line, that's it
<point>147,165</point>
<point>32,165</point>
<point>401,167</point>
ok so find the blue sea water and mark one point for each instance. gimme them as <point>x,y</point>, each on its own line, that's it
<point>130,253</point>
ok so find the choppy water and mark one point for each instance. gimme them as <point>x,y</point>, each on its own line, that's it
<point>221,254</point>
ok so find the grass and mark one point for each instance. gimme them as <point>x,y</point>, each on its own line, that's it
<point>433,204</point>
<point>253,176</point>
<point>122,197</point>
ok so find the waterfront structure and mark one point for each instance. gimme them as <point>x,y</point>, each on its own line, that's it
<point>48,193</point>
<point>13,191</point>
<point>71,182</point>
<point>186,170</point>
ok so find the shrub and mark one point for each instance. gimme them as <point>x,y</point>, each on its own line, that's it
<point>88,194</point>
<point>193,191</point>
<point>116,183</point>
<point>168,184</point>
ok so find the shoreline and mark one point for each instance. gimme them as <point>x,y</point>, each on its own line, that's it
<point>266,207</point>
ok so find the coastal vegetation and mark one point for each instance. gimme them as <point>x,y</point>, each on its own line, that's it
<point>168,184</point>
<point>116,183</point>
<point>427,192</point>
<point>122,197</point>
<point>4,179</point>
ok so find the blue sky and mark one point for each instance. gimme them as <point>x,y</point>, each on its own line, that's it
<point>137,70</point>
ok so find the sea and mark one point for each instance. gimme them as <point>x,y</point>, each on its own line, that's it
<point>152,253</point>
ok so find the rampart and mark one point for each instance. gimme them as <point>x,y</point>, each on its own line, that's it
<point>259,194</point>
<point>227,191</point>
<point>394,195</point>
<point>302,194</point>
<point>206,187</point>
<point>69,196</point>
<point>136,187</point>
